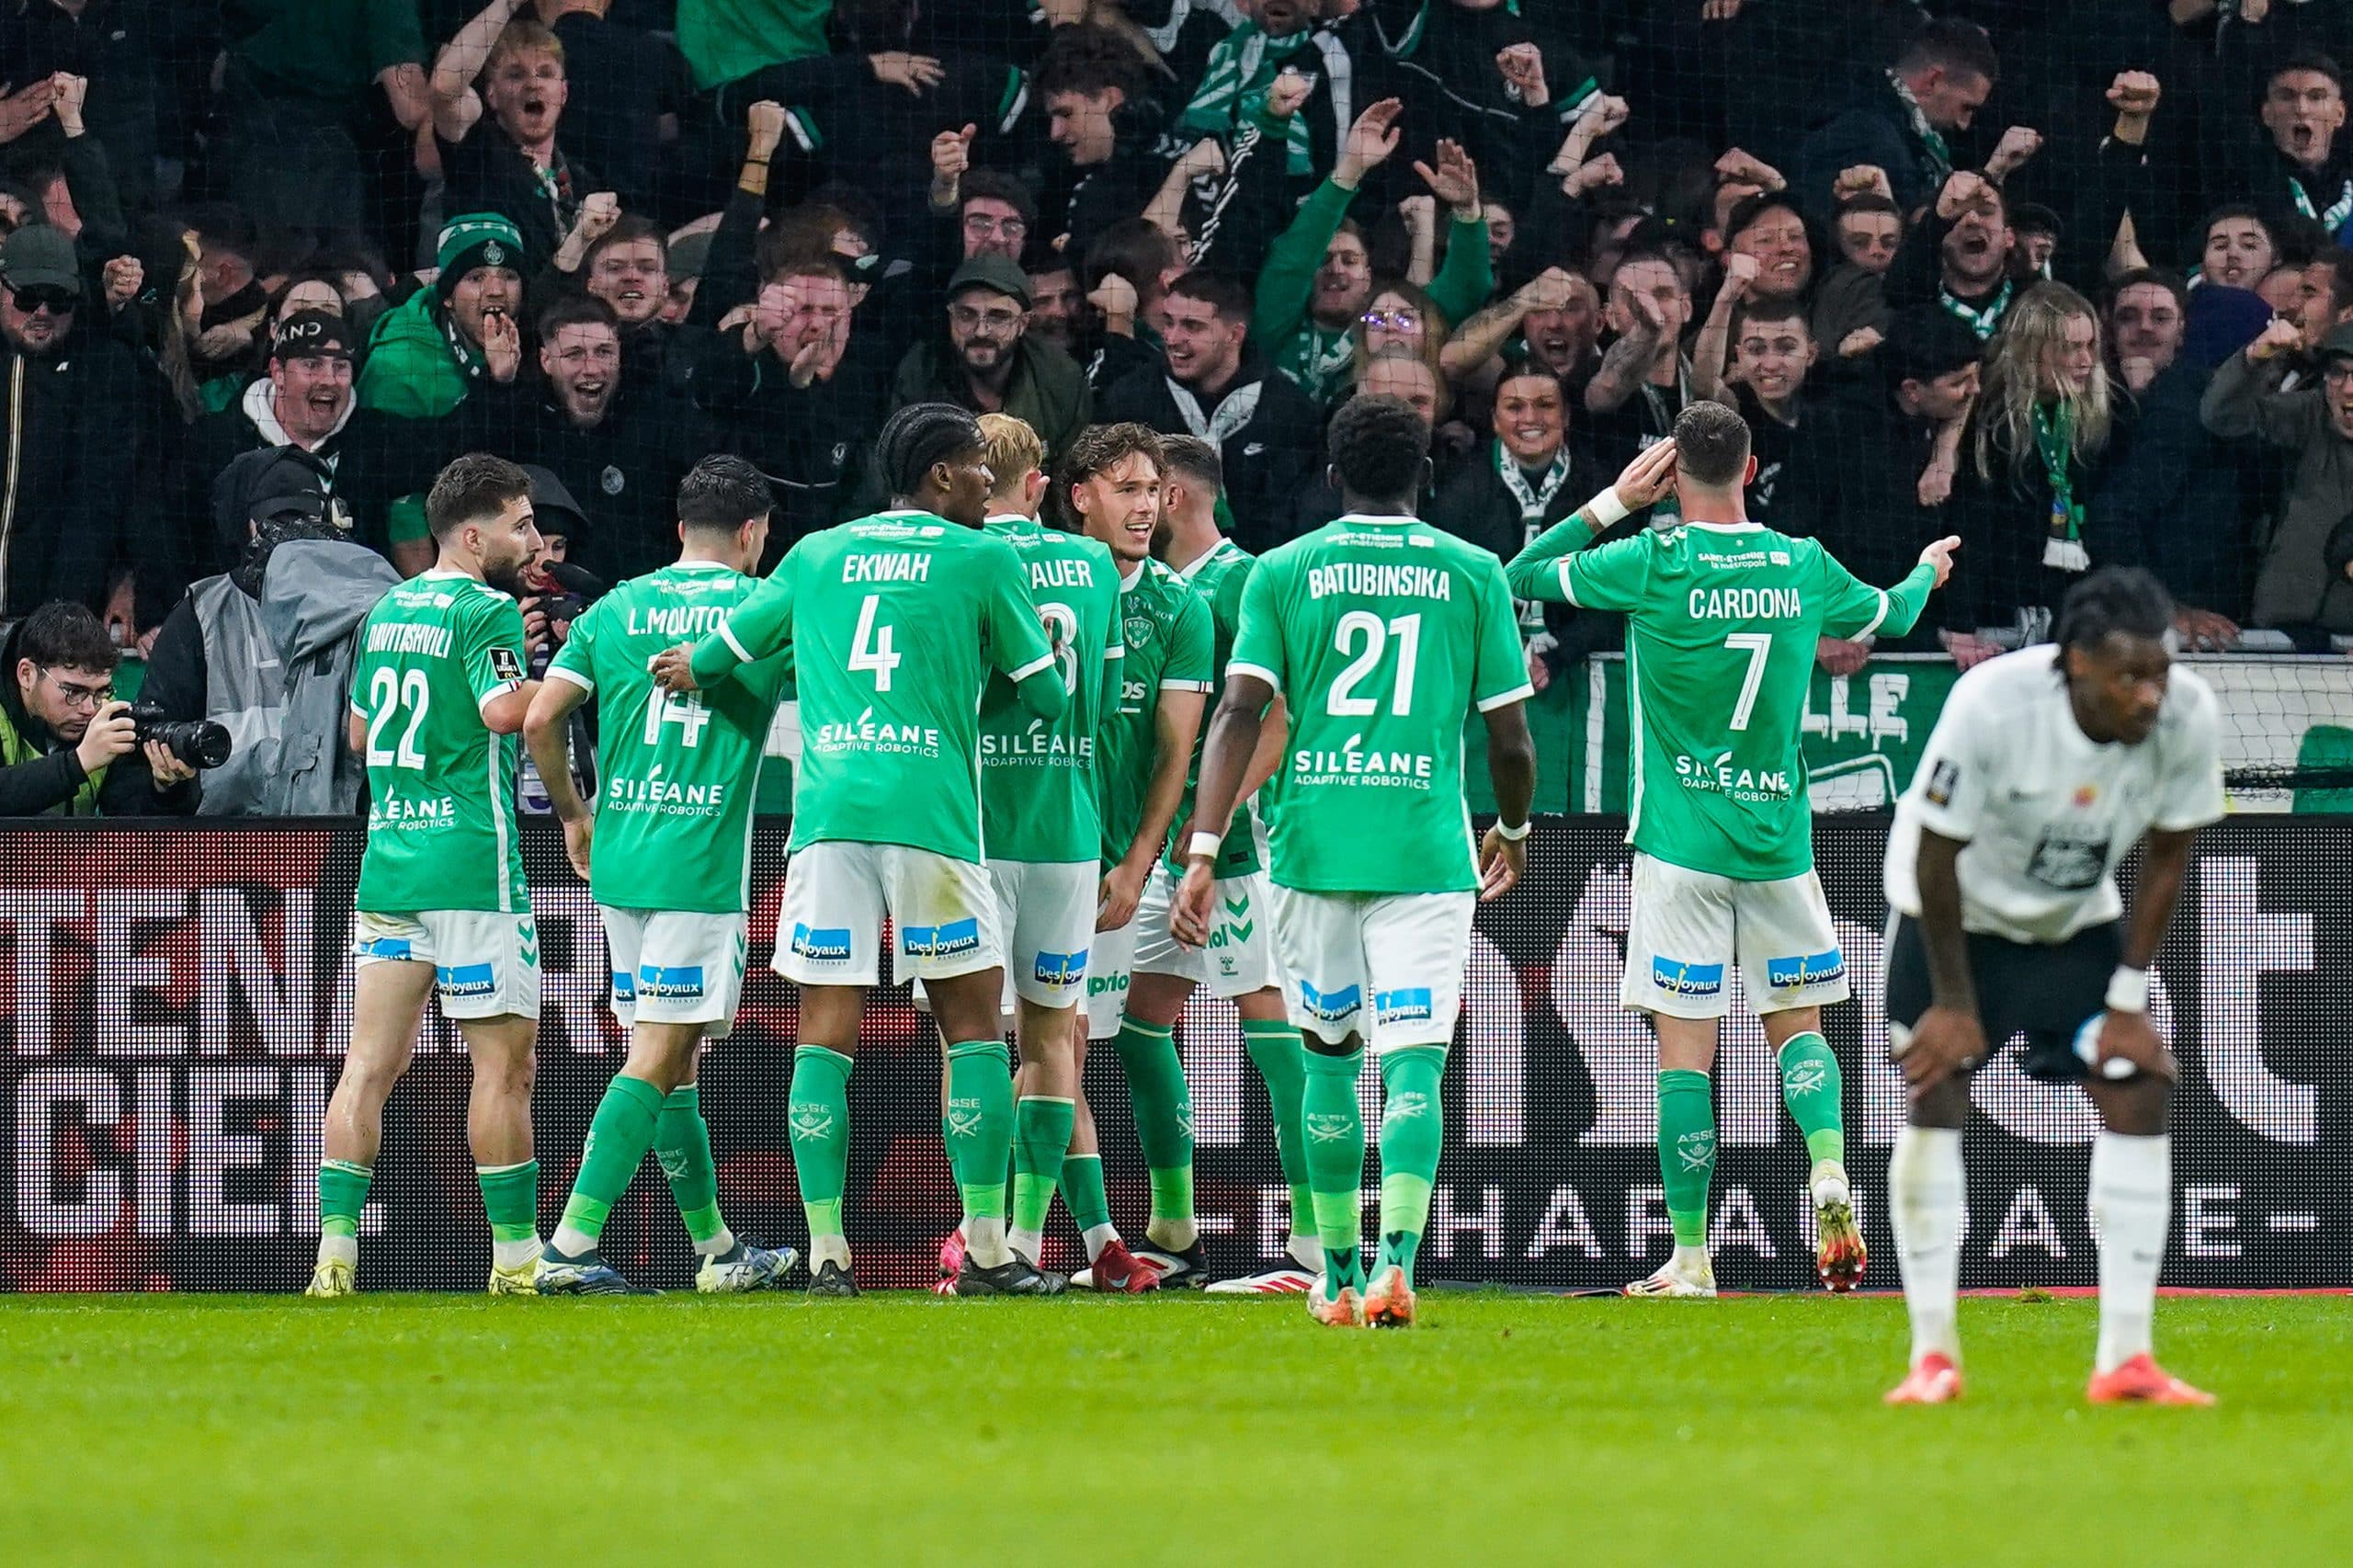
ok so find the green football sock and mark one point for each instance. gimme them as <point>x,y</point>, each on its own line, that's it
<point>1276,1051</point>
<point>1334,1128</point>
<point>1813,1089</point>
<point>819,1116</point>
<point>1413,1128</point>
<point>1686,1151</point>
<point>1040,1137</point>
<point>342,1192</point>
<point>980,1114</point>
<point>510,1195</point>
<point>1164,1115</point>
<point>619,1135</point>
<point>1082,1191</point>
<point>682,1142</point>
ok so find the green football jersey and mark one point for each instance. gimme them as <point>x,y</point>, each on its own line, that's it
<point>440,786</point>
<point>1038,775</point>
<point>1722,623</point>
<point>895,621</point>
<point>1164,626</point>
<point>678,774</point>
<point>1219,577</point>
<point>1382,634</point>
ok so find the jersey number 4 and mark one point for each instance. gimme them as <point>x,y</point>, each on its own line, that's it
<point>1363,626</point>
<point>869,646</point>
<point>388,692</point>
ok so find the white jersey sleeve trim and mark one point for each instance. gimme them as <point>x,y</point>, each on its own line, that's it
<point>1031,668</point>
<point>1116,650</point>
<point>482,703</point>
<point>1173,684</point>
<point>1867,631</point>
<point>1520,693</point>
<point>1237,667</point>
<point>561,673</point>
<point>727,635</point>
<point>1567,592</point>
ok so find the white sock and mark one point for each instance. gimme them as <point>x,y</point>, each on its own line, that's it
<point>828,1249</point>
<point>514,1254</point>
<point>1692,1261</point>
<point>985,1242</point>
<point>1308,1253</point>
<point>1097,1238</point>
<point>1030,1245</point>
<point>2131,1191</point>
<point>1924,1189</point>
<point>719,1245</point>
<point>1172,1235</point>
<point>339,1249</point>
<point>572,1242</point>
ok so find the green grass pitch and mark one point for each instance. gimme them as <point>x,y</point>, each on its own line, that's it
<point>411,1429</point>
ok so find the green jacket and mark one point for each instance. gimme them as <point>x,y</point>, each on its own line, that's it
<point>415,368</point>
<point>16,751</point>
<point>1048,390</point>
<point>1322,361</point>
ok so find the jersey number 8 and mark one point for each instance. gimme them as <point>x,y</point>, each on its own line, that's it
<point>1061,625</point>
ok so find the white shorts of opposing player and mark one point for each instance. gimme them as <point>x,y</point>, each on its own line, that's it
<point>1385,966</point>
<point>837,894</point>
<point>674,966</point>
<point>1691,929</point>
<point>485,964</point>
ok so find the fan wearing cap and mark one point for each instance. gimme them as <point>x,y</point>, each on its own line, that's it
<point>987,361</point>
<point>305,403</point>
<point>426,354</point>
<point>80,501</point>
<point>2294,590</point>
<point>577,414</point>
<point>266,649</point>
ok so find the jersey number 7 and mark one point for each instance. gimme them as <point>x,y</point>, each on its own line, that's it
<point>1758,647</point>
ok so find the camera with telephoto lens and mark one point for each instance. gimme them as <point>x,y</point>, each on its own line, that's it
<point>199,743</point>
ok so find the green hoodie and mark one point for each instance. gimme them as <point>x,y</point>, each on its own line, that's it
<point>418,369</point>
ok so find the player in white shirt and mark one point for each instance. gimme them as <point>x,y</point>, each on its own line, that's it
<point>2043,773</point>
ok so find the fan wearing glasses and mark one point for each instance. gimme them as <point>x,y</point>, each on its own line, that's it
<point>67,746</point>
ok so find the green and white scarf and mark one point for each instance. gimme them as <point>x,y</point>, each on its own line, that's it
<point>1241,67</point>
<point>1534,500</point>
<point>1985,320</point>
<point>2054,439</point>
<point>1940,150</point>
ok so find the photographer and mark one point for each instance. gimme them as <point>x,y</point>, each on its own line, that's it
<point>67,747</point>
<point>265,649</point>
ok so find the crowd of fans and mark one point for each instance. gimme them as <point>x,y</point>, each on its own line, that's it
<point>2064,278</point>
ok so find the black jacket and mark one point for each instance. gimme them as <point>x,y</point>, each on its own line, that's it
<point>82,500</point>
<point>624,471</point>
<point>47,785</point>
<point>1267,460</point>
<point>812,443</point>
<point>2168,498</point>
